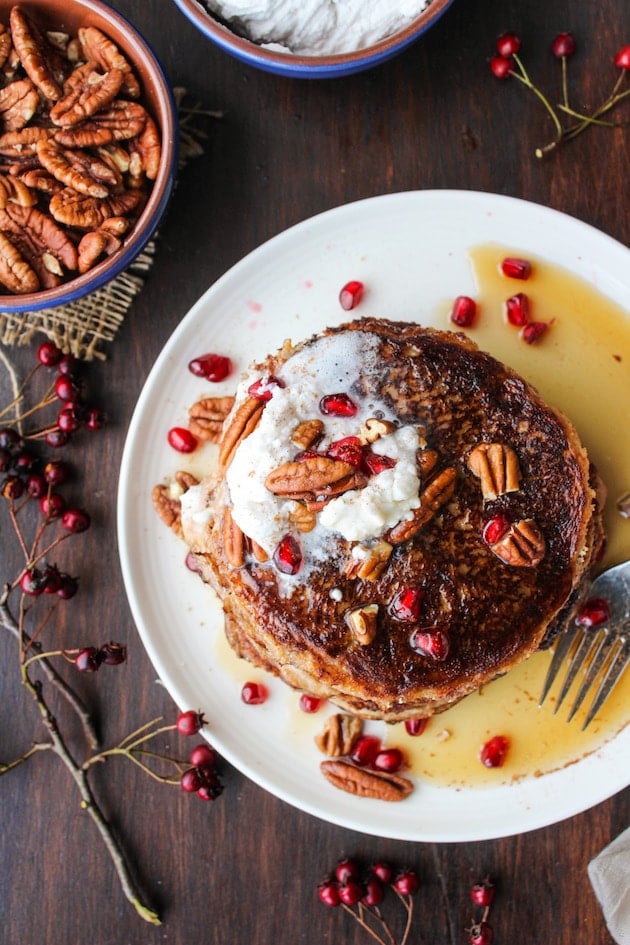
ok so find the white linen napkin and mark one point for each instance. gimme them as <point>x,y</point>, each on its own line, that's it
<point>609,873</point>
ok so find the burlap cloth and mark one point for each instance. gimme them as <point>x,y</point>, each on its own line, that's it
<point>85,326</point>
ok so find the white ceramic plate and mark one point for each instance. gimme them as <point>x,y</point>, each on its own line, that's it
<point>411,249</point>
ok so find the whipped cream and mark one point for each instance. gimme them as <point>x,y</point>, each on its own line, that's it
<point>317,27</point>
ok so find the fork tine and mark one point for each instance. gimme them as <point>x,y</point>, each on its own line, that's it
<point>613,674</point>
<point>562,649</point>
<point>577,656</point>
<point>594,662</point>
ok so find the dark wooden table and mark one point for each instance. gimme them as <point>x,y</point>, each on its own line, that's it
<point>245,869</point>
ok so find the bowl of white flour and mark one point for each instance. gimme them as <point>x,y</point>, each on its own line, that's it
<point>314,39</point>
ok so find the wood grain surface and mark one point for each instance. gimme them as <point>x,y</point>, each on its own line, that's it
<point>245,869</point>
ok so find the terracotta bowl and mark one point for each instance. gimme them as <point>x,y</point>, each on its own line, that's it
<point>310,67</point>
<point>67,16</point>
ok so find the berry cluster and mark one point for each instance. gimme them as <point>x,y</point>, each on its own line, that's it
<point>74,412</point>
<point>91,658</point>
<point>202,778</point>
<point>482,895</point>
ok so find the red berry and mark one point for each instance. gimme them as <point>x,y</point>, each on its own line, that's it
<point>406,604</point>
<point>310,703</point>
<point>383,872</point>
<point>287,556</point>
<point>56,472</point>
<point>32,582</point>
<point>254,693</point>
<point>66,364</point>
<point>10,439</point>
<point>87,661</point>
<point>338,405</point>
<point>68,587</point>
<point>262,389</point>
<point>49,354</point>
<point>347,450</point>
<point>389,760</point>
<point>113,654</point>
<point>494,751</point>
<point>464,311</point>
<point>351,295</point>
<point>56,438</point>
<point>53,505</point>
<point>328,893</point>
<point>346,870</point>
<point>508,44</point>
<point>5,459</point>
<point>212,367</point>
<point>95,419</point>
<point>182,440</point>
<point>593,613</point>
<point>191,781</point>
<point>501,67</point>
<point>202,755</point>
<point>482,894</point>
<point>434,643</point>
<point>68,420</point>
<point>515,268</point>
<point>210,789</point>
<point>12,487</point>
<point>495,528</point>
<point>416,726</point>
<point>564,45</point>
<point>36,486</point>
<point>622,59</point>
<point>375,463</point>
<point>481,934</point>
<point>517,309</point>
<point>52,579</point>
<point>75,520</point>
<point>189,722</point>
<point>407,883</point>
<point>365,750</point>
<point>351,892</point>
<point>66,389</point>
<point>374,893</point>
<point>533,331</point>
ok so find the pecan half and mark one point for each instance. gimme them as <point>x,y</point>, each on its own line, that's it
<point>307,432</point>
<point>18,104</point>
<point>15,272</point>
<point>93,246</point>
<point>309,477</point>
<point>38,239</point>
<point>426,461</point>
<point>364,783</point>
<point>23,143</point>
<point>233,541</point>
<point>522,546</point>
<point>99,47</point>
<point>85,93</point>
<point>373,429</point>
<point>363,623</point>
<point>89,213</point>
<point>339,735</point>
<point>81,171</point>
<point>42,62</point>
<point>120,121</point>
<point>303,518</point>
<point>368,562</point>
<point>167,507</point>
<point>244,421</point>
<point>206,417</point>
<point>432,498</point>
<point>5,44</point>
<point>496,466</point>
<point>14,190</point>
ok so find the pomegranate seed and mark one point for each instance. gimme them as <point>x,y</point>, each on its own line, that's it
<point>202,755</point>
<point>494,751</point>
<point>66,389</point>
<point>56,472</point>
<point>75,520</point>
<point>288,555</point>
<point>53,505</point>
<point>517,309</point>
<point>374,893</point>
<point>351,892</point>
<point>407,883</point>
<point>389,760</point>
<point>416,726</point>
<point>56,438</point>
<point>254,693</point>
<point>32,582</point>
<point>348,450</point>
<point>515,268</point>
<point>191,781</point>
<point>433,643</point>
<point>564,45</point>
<point>113,654</point>
<point>351,295</point>
<point>365,750</point>
<point>481,934</point>
<point>622,59</point>
<point>346,870</point>
<point>87,661</point>
<point>212,367</point>
<point>375,463</point>
<point>533,331</point>
<point>328,893</point>
<point>482,894</point>
<point>12,487</point>
<point>508,44</point>
<point>49,354</point>
<point>464,311</point>
<point>191,563</point>
<point>593,613</point>
<point>406,604</point>
<point>310,704</point>
<point>190,722</point>
<point>262,389</point>
<point>36,486</point>
<point>338,405</point>
<point>182,440</point>
<point>501,67</point>
<point>383,872</point>
<point>495,528</point>
<point>68,587</point>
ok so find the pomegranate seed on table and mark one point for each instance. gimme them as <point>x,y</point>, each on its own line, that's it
<point>464,311</point>
<point>433,643</point>
<point>494,752</point>
<point>254,693</point>
<point>182,440</point>
<point>508,44</point>
<point>338,405</point>
<point>515,268</point>
<point>406,605</point>
<point>262,389</point>
<point>212,367</point>
<point>495,528</point>
<point>531,333</point>
<point>517,309</point>
<point>564,45</point>
<point>416,726</point>
<point>287,556</point>
<point>593,613</point>
<point>351,294</point>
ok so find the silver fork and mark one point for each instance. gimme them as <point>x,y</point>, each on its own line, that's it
<point>600,653</point>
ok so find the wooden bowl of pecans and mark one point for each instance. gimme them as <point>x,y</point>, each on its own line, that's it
<point>87,149</point>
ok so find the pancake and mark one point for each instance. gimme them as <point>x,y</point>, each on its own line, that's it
<point>397,518</point>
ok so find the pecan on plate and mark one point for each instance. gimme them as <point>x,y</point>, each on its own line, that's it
<point>439,490</point>
<point>339,735</point>
<point>43,63</point>
<point>309,477</point>
<point>15,273</point>
<point>522,546</point>
<point>207,416</point>
<point>233,541</point>
<point>303,518</point>
<point>496,466</point>
<point>18,104</point>
<point>364,783</point>
<point>244,421</point>
<point>167,507</point>
<point>100,48</point>
<point>374,428</point>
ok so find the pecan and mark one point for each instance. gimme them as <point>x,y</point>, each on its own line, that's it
<point>15,191</point>
<point>433,497</point>
<point>244,421</point>
<point>167,507</point>
<point>339,735</point>
<point>99,47</point>
<point>89,213</point>
<point>95,245</point>
<point>5,44</point>
<point>38,179</point>
<point>84,98</point>
<point>185,480</point>
<point>303,518</point>
<point>42,62</point>
<point>496,465</point>
<point>79,170</point>
<point>307,432</point>
<point>18,104</point>
<point>207,417</point>
<point>233,541</point>
<point>257,550</point>
<point>426,461</point>
<point>364,783</point>
<point>120,121</point>
<point>148,149</point>
<point>373,429</point>
<point>368,562</point>
<point>522,546</point>
<point>37,236</point>
<point>309,477</point>
<point>15,272</point>
<point>363,622</point>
